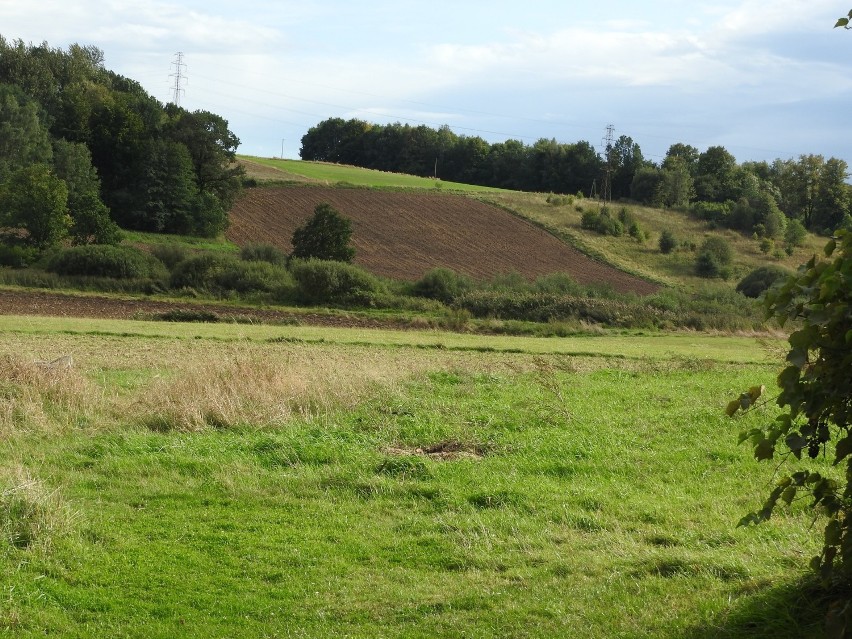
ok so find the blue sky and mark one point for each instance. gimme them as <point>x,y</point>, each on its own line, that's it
<point>764,79</point>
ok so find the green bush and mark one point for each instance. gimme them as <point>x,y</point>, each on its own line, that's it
<point>17,256</point>
<point>442,284</point>
<point>795,233</point>
<point>327,282</point>
<point>170,254</point>
<point>558,284</point>
<point>668,243</point>
<point>119,262</point>
<point>761,279</point>
<point>602,223</point>
<point>716,212</point>
<point>714,258</point>
<point>223,273</point>
<point>263,253</point>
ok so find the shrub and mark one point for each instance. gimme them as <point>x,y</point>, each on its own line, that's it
<point>717,212</point>
<point>119,262</point>
<point>170,254</point>
<point>714,257</point>
<point>795,233</point>
<point>558,284</point>
<point>442,284</point>
<point>17,256</point>
<point>327,282</point>
<point>602,223</point>
<point>761,279</point>
<point>263,253</point>
<point>766,245</point>
<point>668,243</point>
<point>220,273</point>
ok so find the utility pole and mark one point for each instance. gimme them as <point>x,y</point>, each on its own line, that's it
<point>179,75</point>
<point>282,148</point>
<point>606,189</point>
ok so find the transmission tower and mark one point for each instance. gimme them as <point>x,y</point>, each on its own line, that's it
<point>608,142</point>
<point>180,76</point>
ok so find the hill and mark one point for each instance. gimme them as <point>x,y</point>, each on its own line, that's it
<point>561,216</point>
<point>404,234</point>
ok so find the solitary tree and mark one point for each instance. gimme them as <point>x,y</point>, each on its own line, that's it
<point>324,236</point>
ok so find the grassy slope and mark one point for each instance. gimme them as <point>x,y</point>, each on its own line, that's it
<point>337,173</point>
<point>191,486</point>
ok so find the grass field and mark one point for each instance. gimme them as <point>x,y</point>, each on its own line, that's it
<point>356,176</point>
<point>255,481</point>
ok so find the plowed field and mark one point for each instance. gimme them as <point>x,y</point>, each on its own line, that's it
<point>403,234</point>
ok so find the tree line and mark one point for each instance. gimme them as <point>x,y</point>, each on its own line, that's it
<point>84,150</point>
<point>756,197</point>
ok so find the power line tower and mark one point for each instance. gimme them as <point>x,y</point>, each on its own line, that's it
<point>608,142</point>
<point>180,76</point>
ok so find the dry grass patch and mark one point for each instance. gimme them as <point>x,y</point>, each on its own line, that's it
<point>31,514</point>
<point>195,384</point>
<point>33,395</point>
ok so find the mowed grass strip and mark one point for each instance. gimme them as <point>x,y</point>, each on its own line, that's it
<point>452,494</point>
<point>695,346</point>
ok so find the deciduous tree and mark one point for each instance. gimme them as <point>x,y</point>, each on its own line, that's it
<point>325,236</point>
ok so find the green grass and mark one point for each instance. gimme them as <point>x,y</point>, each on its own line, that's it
<point>585,496</point>
<point>661,346</point>
<point>645,259</point>
<point>141,238</point>
<point>356,176</point>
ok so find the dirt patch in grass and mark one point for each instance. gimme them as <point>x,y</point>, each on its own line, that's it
<point>446,450</point>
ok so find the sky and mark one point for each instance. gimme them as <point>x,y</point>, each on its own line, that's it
<point>766,80</point>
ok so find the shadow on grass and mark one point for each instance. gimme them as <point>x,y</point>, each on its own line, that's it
<point>794,610</point>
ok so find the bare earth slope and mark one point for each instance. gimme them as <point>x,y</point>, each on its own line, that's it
<point>404,234</point>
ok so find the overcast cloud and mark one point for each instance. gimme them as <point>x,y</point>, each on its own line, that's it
<point>766,80</point>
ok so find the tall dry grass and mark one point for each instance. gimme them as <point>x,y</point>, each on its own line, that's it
<point>191,385</point>
<point>34,396</point>
<point>31,514</point>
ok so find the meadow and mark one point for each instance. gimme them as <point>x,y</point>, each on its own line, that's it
<point>261,481</point>
<point>331,174</point>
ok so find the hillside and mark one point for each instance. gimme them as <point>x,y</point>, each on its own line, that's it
<point>404,234</point>
<point>562,216</point>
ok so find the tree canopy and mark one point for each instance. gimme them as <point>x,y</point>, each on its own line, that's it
<point>325,236</point>
<point>124,157</point>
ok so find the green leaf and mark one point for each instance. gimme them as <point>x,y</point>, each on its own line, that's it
<point>798,357</point>
<point>843,449</point>
<point>751,518</point>
<point>789,495</point>
<point>795,442</point>
<point>764,450</point>
<point>833,533</point>
<point>829,248</point>
<point>733,407</point>
<point>842,22</point>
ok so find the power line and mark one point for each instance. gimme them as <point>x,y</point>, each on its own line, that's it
<point>606,189</point>
<point>179,77</point>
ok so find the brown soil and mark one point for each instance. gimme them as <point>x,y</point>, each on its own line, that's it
<point>23,302</point>
<point>404,234</point>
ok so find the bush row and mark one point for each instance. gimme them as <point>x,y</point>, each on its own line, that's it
<point>260,271</point>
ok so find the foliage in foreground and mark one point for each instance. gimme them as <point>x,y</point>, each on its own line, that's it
<point>817,395</point>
